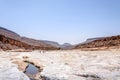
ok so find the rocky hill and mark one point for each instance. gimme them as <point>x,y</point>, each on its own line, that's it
<point>9,33</point>
<point>113,41</point>
<point>11,40</point>
<point>52,43</point>
<point>66,46</point>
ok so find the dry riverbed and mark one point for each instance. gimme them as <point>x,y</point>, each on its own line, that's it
<point>61,65</point>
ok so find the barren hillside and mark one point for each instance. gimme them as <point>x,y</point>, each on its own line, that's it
<point>11,40</point>
<point>107,42</point>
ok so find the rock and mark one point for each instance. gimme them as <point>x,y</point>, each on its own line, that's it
<point>9,71</point>
<point>56,73</point>
<point>10,40</point>
<point>21,65</point>
<point>63,65</point>
<point>100,43</point>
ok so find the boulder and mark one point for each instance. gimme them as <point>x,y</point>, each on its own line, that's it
<point>9,71</point>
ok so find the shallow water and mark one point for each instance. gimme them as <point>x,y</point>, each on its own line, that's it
<point>31,69</point>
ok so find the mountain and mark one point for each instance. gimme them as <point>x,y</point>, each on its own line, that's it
<point>56,44</point>
<point>93,39</point>
<point>34,42</point>
<point>11,40</point>
<point>66,46</point>
<point>113,41</point>
<point>9,33</point>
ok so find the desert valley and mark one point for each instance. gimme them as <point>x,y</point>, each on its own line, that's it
<point>24,58</point>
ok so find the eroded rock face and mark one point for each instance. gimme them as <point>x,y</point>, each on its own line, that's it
<point>102,42</point>
<point>9,71</point>
<point>7,43</point>
<point>11,40</point>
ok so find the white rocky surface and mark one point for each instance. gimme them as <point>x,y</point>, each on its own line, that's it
<point>68,65</point>
<point>9,71</point>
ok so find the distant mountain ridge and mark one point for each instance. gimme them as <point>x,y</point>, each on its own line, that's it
<point>66,46</point>
<point>51,43</point>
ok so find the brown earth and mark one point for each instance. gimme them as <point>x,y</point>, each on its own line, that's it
<point>10,40</point>
<point>102,43</point>
<point>9,44</point>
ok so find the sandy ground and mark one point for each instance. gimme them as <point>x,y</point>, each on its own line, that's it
<point>69,64</point>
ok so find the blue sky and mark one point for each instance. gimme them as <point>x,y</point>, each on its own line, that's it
<point>70,21</point>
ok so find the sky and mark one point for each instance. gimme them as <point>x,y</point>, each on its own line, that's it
<point>71,21</point>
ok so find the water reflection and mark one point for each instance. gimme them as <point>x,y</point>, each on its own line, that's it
<point>31,71</point>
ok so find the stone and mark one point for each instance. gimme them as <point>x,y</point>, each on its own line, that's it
<point>9,71</point>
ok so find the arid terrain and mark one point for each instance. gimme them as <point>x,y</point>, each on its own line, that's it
<point>62,65</point>
<point>59,39</point>
<point>23,58</point>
